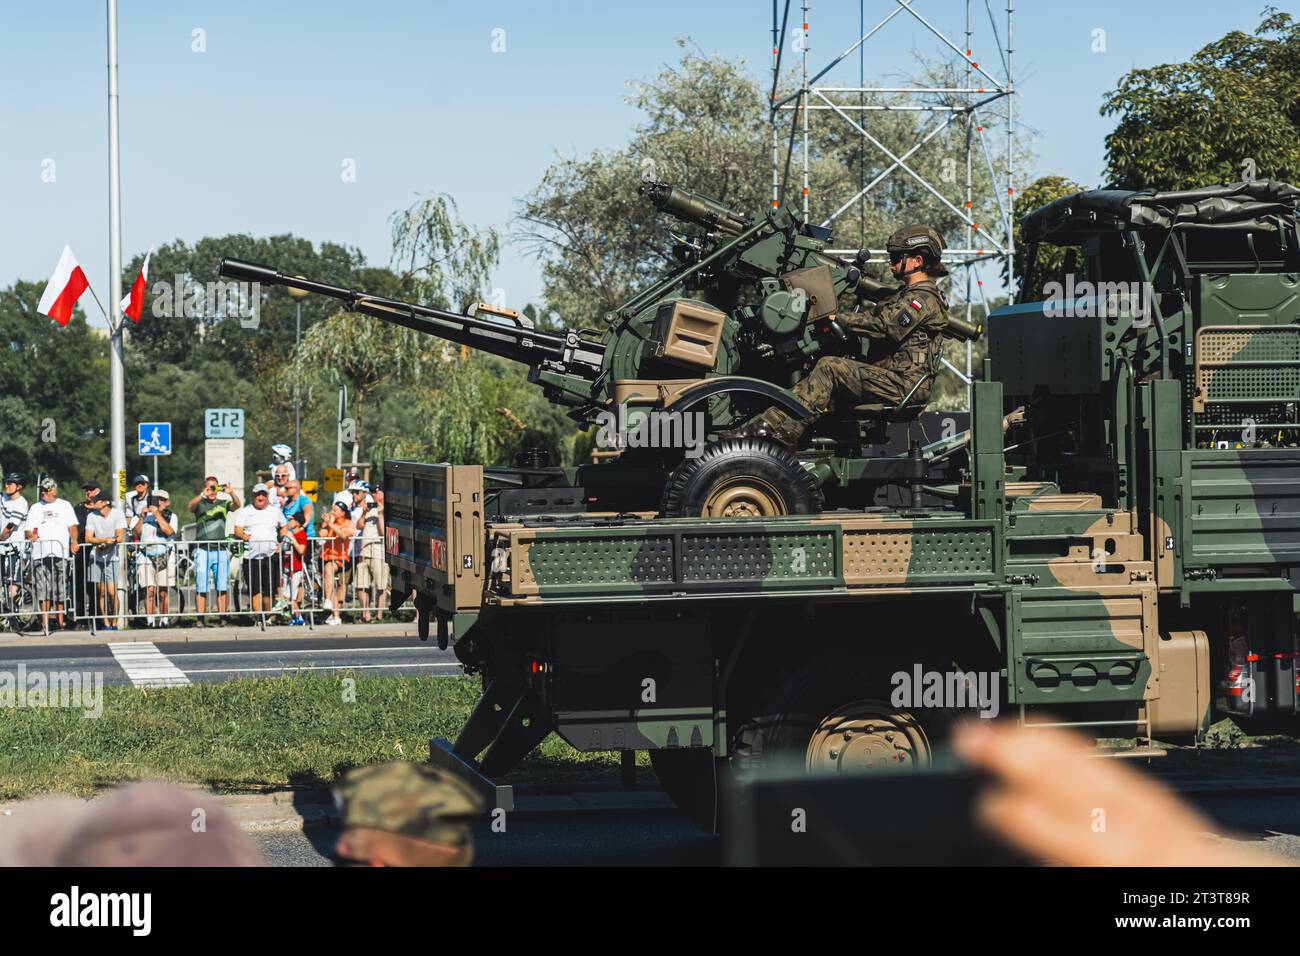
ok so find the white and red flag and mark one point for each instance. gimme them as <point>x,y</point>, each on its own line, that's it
<point>133,304</point>
<point>64,289</point>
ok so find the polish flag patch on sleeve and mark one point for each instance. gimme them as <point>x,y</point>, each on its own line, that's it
<point>916,305</point>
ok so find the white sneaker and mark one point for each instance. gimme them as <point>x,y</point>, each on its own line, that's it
<point>329,605</point>
<point>334,622</point>
<point>151,622</point>
<point>164,622</point>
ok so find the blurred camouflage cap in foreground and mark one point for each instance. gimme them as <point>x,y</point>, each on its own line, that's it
<point>415,800</point>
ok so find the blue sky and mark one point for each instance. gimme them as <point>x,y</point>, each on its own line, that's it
<point>251,135</point>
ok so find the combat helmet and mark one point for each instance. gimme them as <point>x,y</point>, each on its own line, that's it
<point>919,239</point>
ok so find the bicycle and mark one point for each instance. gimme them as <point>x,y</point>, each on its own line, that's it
<point>17,612</point>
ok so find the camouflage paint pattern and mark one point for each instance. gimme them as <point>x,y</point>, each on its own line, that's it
<point>415,800</point>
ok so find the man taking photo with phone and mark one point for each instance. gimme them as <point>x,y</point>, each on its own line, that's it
<point>210,508</point>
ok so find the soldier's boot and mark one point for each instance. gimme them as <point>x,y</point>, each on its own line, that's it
<point>773,425</point>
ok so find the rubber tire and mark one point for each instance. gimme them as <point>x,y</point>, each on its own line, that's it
<point>688,776</point>
<point>780,737</point>
<point>687,488</point>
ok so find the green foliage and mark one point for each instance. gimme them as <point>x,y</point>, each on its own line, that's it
<point>478,409</point>
<point>53,410</point>
<point>181,360</point>
<point>454,407</point>
<point>444,263</point>
<point>1195,123</point>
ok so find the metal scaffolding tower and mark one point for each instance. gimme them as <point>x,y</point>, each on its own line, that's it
<point>965,105</point>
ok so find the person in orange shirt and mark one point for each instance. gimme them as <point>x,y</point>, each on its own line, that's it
<point>338,530</point>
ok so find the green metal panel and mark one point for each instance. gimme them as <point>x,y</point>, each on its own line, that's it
<point>1064,648</point>
<point>702,557</point>
<point>1242,507</point>
<point>1241,299</point>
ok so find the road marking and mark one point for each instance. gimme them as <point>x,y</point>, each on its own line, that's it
<point>311,667</point>
<point>147,666</point>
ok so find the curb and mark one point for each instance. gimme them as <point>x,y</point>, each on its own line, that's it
<point>194,635</point>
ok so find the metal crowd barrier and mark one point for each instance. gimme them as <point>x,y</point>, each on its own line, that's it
<point>157,584</point>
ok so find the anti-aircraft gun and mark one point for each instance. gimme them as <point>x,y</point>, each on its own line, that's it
<point>749,308</point>
<point>1123,558</point>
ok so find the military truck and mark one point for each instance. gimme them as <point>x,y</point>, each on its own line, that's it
<point>1112,544</point>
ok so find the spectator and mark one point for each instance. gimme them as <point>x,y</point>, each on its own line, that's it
<point>210,508</point>
<point>297,503</point>
<point>281,474</point>
<point>345,495</point>
<point>337,529</point>
<point>155,563</point>
<point>13,512</point>
<point>134,503</point>
<point>259,525</point>
<point>386,584</point>
<point>277,494</point>
<point>371,571</point>
<point>105,530</point>
<point>295,537</point>
<point>51,526</point>
<point>93,491</point>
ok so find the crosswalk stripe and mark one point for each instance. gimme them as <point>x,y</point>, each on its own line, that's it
<point>146,666</point>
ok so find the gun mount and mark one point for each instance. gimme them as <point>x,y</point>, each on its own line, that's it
<point>727,333</point>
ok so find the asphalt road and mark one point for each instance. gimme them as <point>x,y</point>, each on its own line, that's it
<point>662,837</point>
<point>588,838</point>
<point>177,663</point>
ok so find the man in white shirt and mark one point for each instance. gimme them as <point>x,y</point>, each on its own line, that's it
<point>260,525</point>
<point>105,531</point>
<point>52,529</point>
<point>13,513</point>
<point>133,505</point>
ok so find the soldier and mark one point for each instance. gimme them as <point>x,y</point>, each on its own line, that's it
<point>911,323</point>
<point>406,814</point>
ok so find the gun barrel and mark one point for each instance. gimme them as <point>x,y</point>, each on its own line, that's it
<point>498,336</point>
<point>694,208</point>
<point>961,329</point>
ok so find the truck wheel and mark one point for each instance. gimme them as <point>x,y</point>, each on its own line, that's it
<point>834,716</point>
<point>688,777</point>
<point>740,478</point>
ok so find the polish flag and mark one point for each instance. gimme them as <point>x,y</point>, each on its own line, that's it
<point>133,304</point>
<point>64,289</point>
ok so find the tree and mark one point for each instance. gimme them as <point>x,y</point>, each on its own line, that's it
<point>442,260</point>
<point>705,127</point>
<point>1230,112</point>
<point>479,408</point>
<point>54,405</point>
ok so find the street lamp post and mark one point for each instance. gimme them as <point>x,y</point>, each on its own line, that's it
<point>298,295</point>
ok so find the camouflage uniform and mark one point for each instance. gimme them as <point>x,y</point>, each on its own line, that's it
<point>912,323</point>
<point>414,800</point>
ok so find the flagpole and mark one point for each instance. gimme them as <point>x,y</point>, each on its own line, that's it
<point>117,330</point>
<point>91,289</point>
<point>116,358</point>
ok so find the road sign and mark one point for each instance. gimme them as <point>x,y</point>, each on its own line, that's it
<point>155,438</point>
<point>223,459</point>
<point>223,423</point>
<point>333,479</point>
